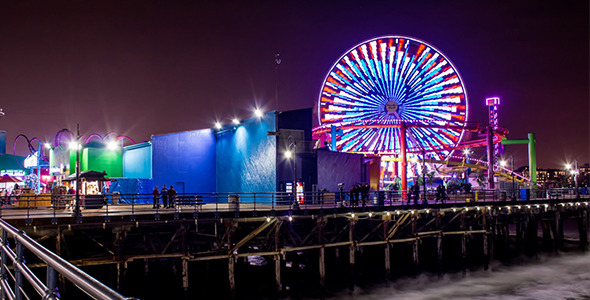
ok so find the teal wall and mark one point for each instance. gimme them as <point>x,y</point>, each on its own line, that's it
<point>246,157</point>
<point>137,161</point>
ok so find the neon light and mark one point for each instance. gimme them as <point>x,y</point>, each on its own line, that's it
<point>380,83</point>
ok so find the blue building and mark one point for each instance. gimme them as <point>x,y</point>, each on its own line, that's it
<point>239,158</point>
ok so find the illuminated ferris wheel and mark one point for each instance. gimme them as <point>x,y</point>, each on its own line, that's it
<point>384,82</point>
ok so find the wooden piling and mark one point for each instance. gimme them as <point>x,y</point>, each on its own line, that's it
<point>277,258</point>
<point>582,229</point>
<point>185,284</point>
<point>387,250</point>
<point>439,252</point>
<point>463,243</point>
<point>322,252</point>
<point>486,258</point>
<point>352,252</point>
<point>531,242</point>
<point>322,266</point>
<point>231,275</point>
<point>415,255</point>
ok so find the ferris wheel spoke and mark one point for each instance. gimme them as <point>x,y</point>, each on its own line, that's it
<point>389,79</point>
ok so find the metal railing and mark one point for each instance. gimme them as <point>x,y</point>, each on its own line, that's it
<point>55,265</point>
<point>53,207</point>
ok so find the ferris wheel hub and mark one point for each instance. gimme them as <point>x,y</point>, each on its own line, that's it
<point>391,106</point>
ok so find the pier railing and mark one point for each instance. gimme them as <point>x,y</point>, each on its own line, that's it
<point>56,206</point>
<point>14,271</point>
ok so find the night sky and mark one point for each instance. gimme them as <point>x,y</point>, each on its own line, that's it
<point>142,68</point>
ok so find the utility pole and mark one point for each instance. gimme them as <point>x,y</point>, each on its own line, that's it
<point>77,212</point>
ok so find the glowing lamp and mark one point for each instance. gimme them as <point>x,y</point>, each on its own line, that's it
<point>47,146</point>
<point>217,125</point>
<point>258,113</point>
<point>503,163</point>
<point>236,121</point>
<point>112,145</point>
<point>288,154</point>
<point>74,145</point>
<point>466,151</point>
<point>568,166</point>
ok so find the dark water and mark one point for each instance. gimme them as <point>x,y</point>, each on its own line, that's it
<point>566,276</point>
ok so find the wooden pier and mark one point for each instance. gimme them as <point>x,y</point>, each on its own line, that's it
<point>380,240</point>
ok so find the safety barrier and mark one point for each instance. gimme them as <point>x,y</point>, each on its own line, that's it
<point>55,265</point>
<point>25,207</point>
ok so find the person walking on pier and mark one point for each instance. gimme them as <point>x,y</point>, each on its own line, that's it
<point>156,194</point>
<point>164,193</point>
<point>416,193</point>
<point>171,197</point>
<point>441,193</point>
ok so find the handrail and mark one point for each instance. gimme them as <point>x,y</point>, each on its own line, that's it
<point>82,280</point>
<point>134,205</point>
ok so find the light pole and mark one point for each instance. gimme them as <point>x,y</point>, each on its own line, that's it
<point>78,146</point>
<point>276,132</point>
<point>277,63</point>
<point>575,171</point>
<point>466,152</point>
<point>511,171</point>
<point>292,153</point>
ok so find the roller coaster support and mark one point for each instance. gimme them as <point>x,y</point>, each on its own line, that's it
<point>490,150</point>
<point>531,141</point>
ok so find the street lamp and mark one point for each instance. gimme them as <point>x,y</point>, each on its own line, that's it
<point>292,152</point>
<point>77,147</point>
<point>503,163</point>
<point>575,171</point>
<point>466,152</point>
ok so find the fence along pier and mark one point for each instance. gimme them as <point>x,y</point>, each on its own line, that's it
<point>386,240</point>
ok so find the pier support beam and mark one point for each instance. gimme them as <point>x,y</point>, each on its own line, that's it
<point>546,241</point>
<point>277,258</point>
<point>322,266</point>
<point>185,273</point>
<point>557,228</point>
<point>463,243</point>
<point>387,251</point>
<point>352,252</point>
<point>531,240</point>
<point>439,253</point>
<point>485,237</point>
<point>582,229</point>
<point>322,254</point>
<point>231,275</point>
<point>415,256</point>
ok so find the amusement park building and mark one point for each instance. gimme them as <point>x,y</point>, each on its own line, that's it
<point>242,158</point>
<point>248,157</point>
<point>10,164</point>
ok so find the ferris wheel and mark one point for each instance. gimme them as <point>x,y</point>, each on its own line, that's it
<point>384,82</point>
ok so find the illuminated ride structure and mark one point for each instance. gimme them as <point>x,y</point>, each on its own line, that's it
<point>396,98</point>
<point>62,153</point>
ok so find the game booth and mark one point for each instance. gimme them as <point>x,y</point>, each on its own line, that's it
<point>92,187</point>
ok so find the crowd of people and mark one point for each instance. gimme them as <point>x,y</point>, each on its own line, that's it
<point>168,197</point>
<point>358,192</point>
<point>6,195</point>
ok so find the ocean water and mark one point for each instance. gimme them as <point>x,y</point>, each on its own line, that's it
<point>566,276</point>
